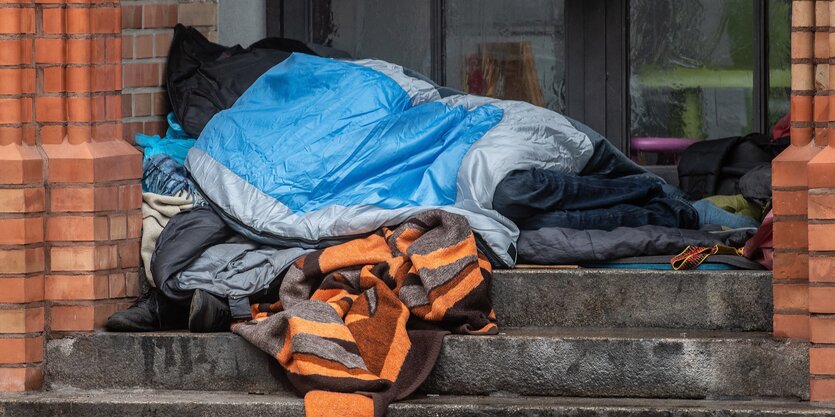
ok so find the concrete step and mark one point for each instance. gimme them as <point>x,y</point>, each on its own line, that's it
<point>221,404</point>
<point>727,300</point>
<point>649,363</point>
<point>653,363</point>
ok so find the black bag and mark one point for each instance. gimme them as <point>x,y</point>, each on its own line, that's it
<point>714,167</point>
<point>204,78</point>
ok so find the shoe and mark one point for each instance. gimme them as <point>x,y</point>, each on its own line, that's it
<point>208,313</point>
<point>151,312</point>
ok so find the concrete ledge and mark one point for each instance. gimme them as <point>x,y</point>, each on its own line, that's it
<point>732,300</point>
<point>529,361</point>
<point>649,363</point>
<point>218,404</point>
<point>214,362</point>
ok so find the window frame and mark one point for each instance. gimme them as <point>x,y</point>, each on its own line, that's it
<point>597,56</point>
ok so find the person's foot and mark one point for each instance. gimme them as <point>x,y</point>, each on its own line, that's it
<point>208,313</point>
<point>151,312</point>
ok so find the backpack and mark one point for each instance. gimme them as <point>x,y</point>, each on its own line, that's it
<point>714,167</point>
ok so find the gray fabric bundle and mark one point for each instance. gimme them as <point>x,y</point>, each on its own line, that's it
<point>553,245</point>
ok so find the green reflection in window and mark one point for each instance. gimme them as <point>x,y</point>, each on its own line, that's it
<point>691,68</point>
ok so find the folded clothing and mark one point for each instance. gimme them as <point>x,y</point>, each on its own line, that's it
<point>554,245</point>
<point>539,198</point>
<point>157,210</point>
<point>755,186</point>
<point>197,250</point>
<point>163,175</point>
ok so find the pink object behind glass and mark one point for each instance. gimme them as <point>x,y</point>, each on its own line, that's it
<point>783,128</point>
<point>668,149</point>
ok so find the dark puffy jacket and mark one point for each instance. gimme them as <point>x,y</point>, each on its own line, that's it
<point>714,167</point>
<point>204,78</point>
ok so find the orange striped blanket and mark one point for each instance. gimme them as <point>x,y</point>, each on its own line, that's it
<point>360,325</point>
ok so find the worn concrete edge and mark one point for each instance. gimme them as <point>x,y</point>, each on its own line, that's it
<point>590,333</point>
<point>545,270</point>
<point>174,397</point>
<point>179,360</point>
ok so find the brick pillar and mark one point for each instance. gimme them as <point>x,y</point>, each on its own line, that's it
<point>791,318</point>
<point>21,206</point>
<point>69,186</point>
<point>93,221</point>
<point>821,295</point>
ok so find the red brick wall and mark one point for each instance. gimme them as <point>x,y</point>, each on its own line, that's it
<point>146,35</point>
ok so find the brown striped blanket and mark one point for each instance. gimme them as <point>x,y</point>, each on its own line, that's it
<point>360,325</point>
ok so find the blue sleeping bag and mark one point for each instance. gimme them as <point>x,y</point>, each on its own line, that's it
<point>316,132</point>
<point>319,151</point>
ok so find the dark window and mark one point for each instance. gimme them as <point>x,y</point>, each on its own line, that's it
<point>507,49</point>
<point>692,68</point>
<point>686,69</point>
<point>695,68</point>
<point>393,30</point>
<point>779,59</point>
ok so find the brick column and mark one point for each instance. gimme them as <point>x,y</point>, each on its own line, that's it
<point>21,206</point>
<point>93,222</point>
<point>791,265</point>
<point>69,186</point>
<point>821,295</point>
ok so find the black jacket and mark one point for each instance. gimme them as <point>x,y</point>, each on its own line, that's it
<point>204,78</point>
<point>714,167</point>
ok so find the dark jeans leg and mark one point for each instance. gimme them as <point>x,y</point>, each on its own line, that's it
<point>527,193</point>
<point>658,212</point>
<point>541,198</point>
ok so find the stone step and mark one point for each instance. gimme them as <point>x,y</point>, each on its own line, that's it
<point>649,363</point>
<point>220,404</point>
<point>715,300</point>
<point>594,362</point>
